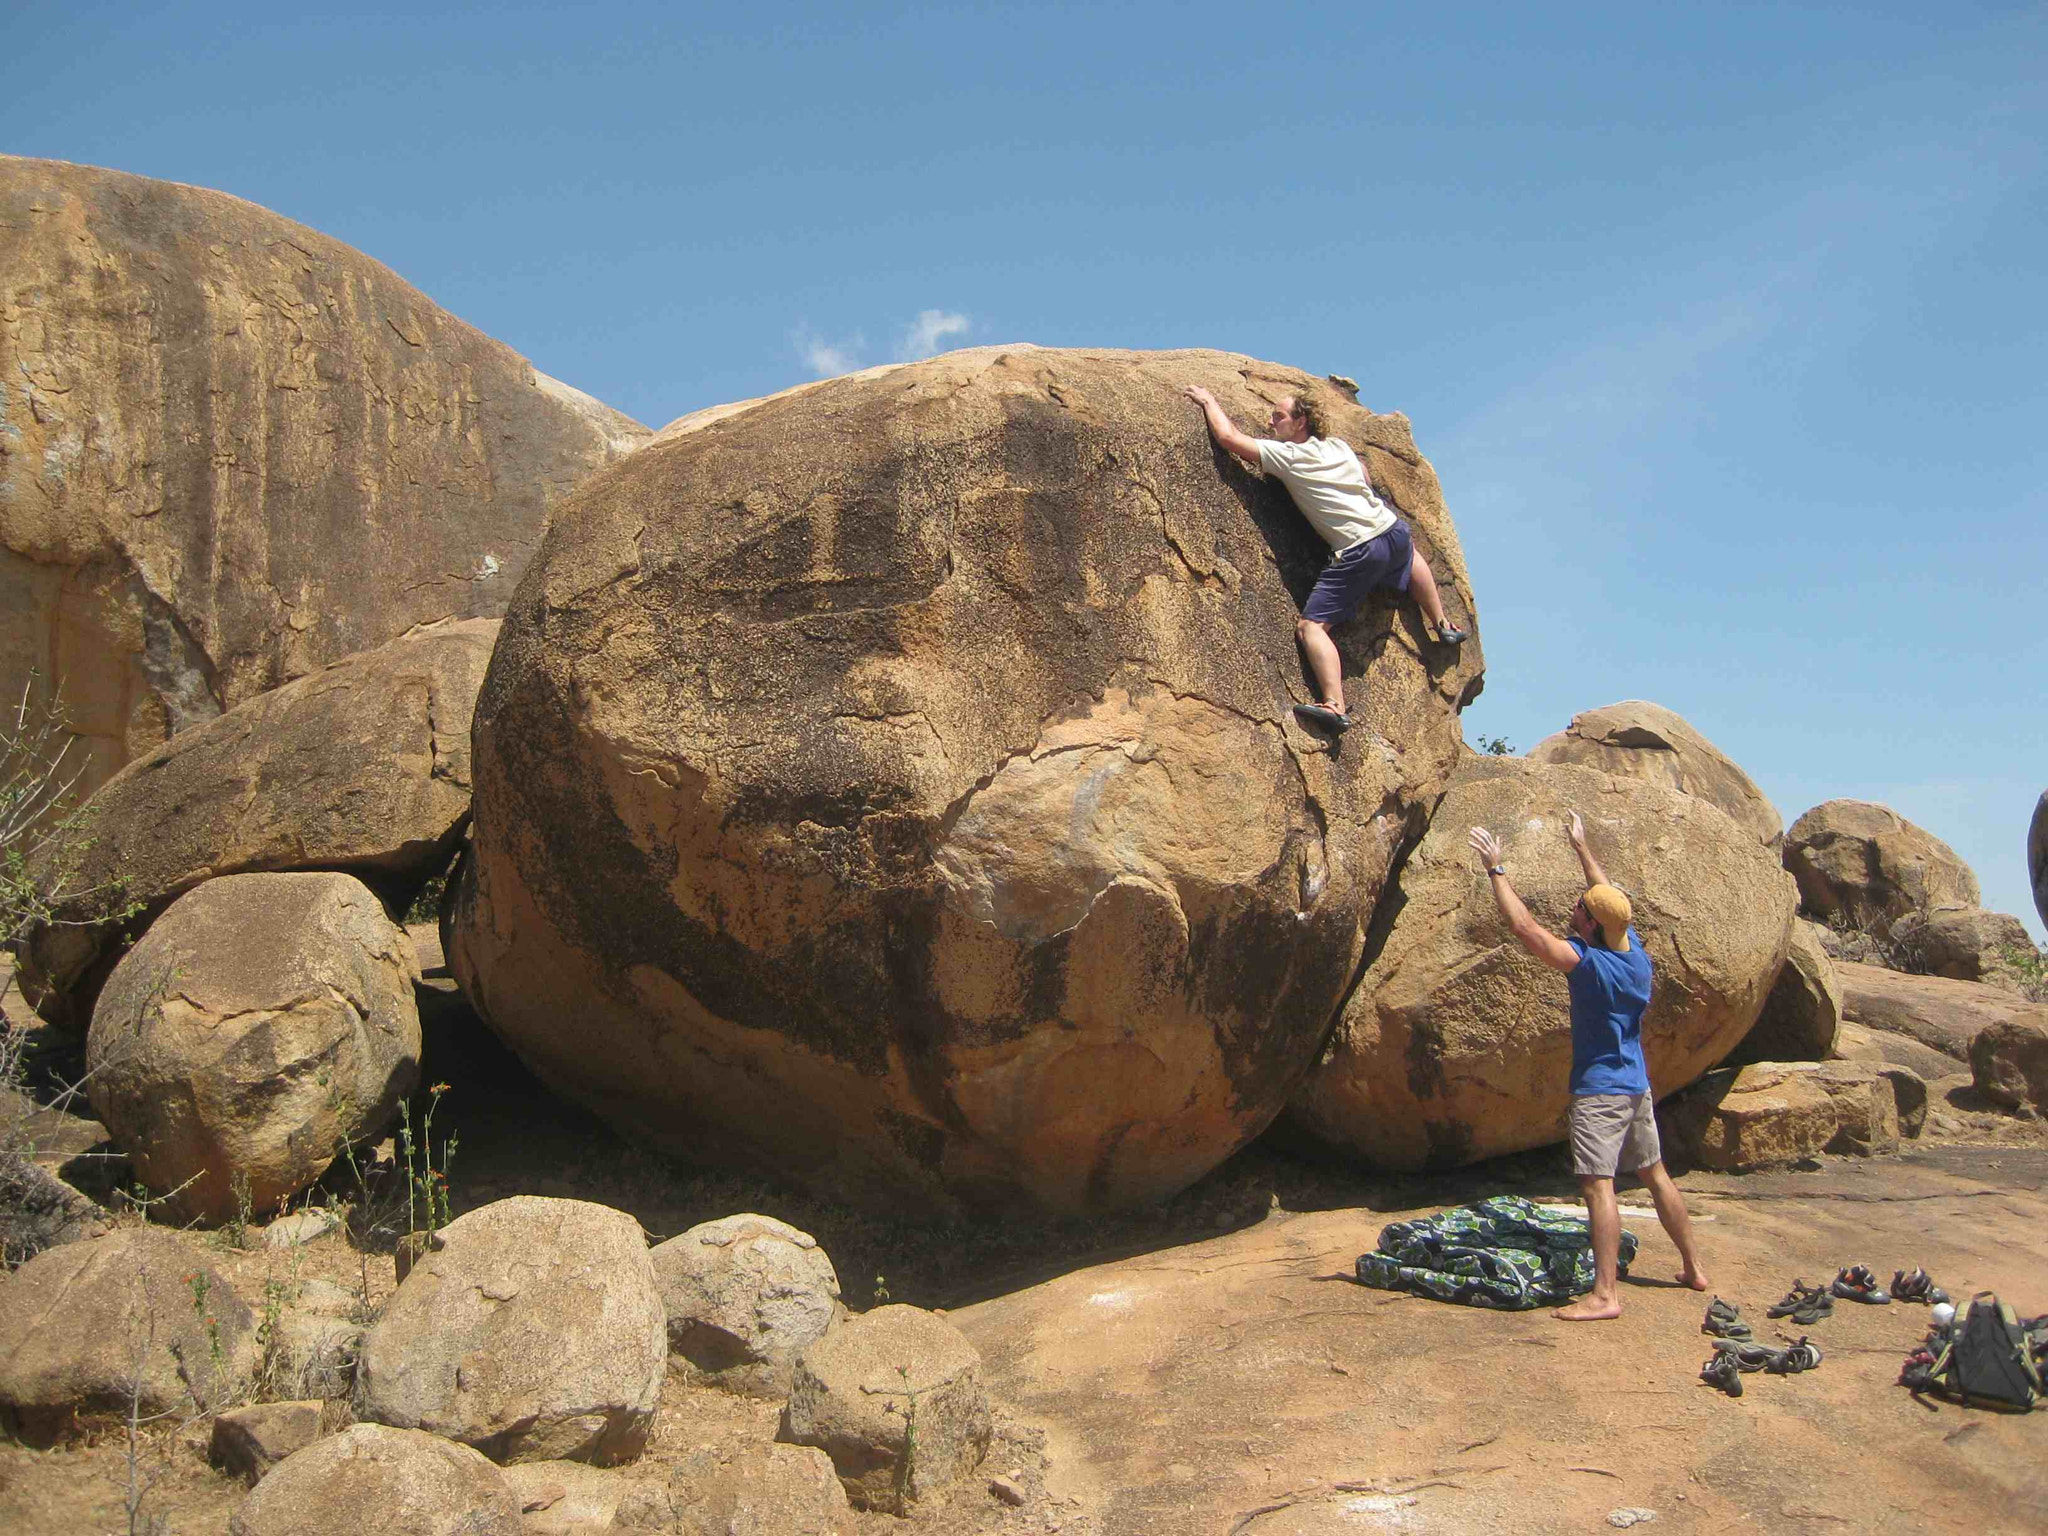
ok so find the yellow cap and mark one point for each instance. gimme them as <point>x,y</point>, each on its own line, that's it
<point>1612,912</point>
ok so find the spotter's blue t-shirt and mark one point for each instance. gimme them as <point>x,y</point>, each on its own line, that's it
<point>1610,989</point>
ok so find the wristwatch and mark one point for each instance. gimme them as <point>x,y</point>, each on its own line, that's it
<point>1497,869</point>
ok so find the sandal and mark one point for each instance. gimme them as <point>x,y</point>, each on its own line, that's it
<point>1724,1321</point>
<point>1804,1304</point>
<point>1803,1356</point>
<point>1321,714</point>
<point>1748,1357</point>
<point>1857,1283</point>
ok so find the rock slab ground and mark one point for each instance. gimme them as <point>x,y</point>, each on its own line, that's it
<point>1189,1389</point>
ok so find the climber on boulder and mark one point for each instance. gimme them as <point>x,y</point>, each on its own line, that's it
<point>1371,542</point>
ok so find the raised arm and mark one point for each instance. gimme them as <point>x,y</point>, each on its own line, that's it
<point>1575,829</point>
<point>1222,428</point>
<point>1532,935</point>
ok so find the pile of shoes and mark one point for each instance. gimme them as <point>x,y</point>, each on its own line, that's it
<point>1732,1359</point>
<point>1735,1353</point>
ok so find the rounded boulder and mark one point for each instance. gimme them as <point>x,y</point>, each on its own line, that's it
<point>531,1329</point>
<point>372,1480</point>
<point>1864,865</point>
<point>1636,739</point>
<point>261,1024</point>
<point>1456,1046</point>
<point>893,783</point>
<point>744,1294</point>
<point>362,767</point>
<point>134,1318</point>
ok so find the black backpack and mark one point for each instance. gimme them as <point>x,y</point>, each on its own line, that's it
<point>1989,1358</point>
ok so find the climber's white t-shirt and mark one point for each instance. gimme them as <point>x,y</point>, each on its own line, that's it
<point>1329,486</point>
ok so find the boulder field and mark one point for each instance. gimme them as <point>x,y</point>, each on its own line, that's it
<point>894,783</point>
<point>233,450</point>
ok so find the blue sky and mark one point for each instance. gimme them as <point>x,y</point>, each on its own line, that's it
<point>1724,325</point>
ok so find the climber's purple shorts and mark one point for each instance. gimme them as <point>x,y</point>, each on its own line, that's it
<point>1359,570</point>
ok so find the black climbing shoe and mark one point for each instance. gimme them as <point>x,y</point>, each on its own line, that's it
<point>1722,1371</point>
<point>1857,1283</point>
<point>1803,1356</point>
<point>1450,634</point>
<point>1324,716</point>
<point>1724,1321</point>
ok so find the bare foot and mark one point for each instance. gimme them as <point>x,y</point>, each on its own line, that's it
<point>1693,1278</point>
<point>1588,1311</point>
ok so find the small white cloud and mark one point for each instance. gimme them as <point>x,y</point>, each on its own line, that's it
<point>828,359</point>
<point>931,327</point>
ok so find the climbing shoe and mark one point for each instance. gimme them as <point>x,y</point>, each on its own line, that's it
<point>1724,1372</point>
<point>1804,1304</point>
<point>1324,716</point>
<point>1724,1322</point>
<point>1857,1283</point>
<point>1450,634</point>
<point>1803,1356</point>
<point>1917,1286</point>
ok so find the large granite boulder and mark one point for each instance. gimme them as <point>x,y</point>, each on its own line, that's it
<point>2037,855</point>
<point>1456,1045</point>
<point>1865,866</point>
<point>133,1319</point>
<point>1639,740</point>
<point>532,1330</point>
<point>233,450</point>
<point>372,1480</point>
<point>264,1022</point>
<point>1740,1120</point>
<point>1803,1012</point>
<point>894,783</point>
<point>363,766</point>
<point>754,1490</point>
<point>1965,944</point>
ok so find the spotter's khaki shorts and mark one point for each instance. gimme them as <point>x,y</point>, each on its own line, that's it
<point>1613,1133</point>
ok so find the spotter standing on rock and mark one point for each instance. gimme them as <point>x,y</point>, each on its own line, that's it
<point>1371,542</point>
<point>1613,1118</point>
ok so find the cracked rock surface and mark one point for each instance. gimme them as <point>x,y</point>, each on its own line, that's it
<point>233,450</point>
<point>1457,1044</point>
<point>262,1022</point>
<point>893,781</point>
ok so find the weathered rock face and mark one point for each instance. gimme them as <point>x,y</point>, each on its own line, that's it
<point>764,1488</point>
<point>77,1321</point>
<point>1866,865</point>
<point>1965,944</point>
<point>371,1480</point>
<point>744,1294</point>
<point>1803,1011</point>
<point>1639,740</point>
<point>233,450</point>
<point>1760,1116</point>
<point>894,783</point>
<point>364,766</point>
<point>264,1021</point>
<point>895,1398</point>
<point>1457,1044</point>
<point>1941,1014</point>
<point>534,1333</point>
<point>2009,1064</point>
